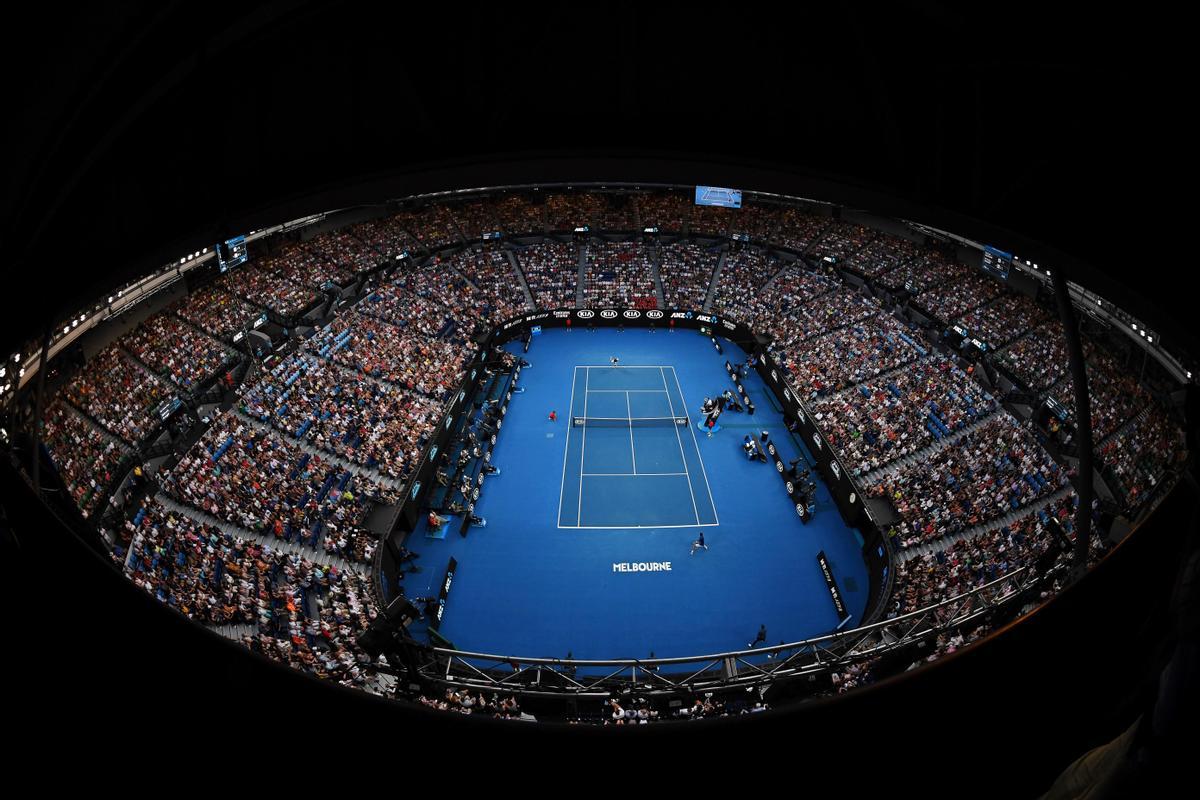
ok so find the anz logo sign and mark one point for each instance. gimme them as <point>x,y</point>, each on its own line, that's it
<point>608,313</point>
<point>654,314</point>
<point>837,471</point>
<point>585,314</point>
<point>416,488</point>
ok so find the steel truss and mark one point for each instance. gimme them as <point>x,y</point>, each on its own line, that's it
<point>740,668</point>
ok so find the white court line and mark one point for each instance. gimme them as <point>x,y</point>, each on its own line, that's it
<point>583,445</point>
<point>570,411</point>
<point>632,448</point>
<point>703,471</point>
<point>627,474</point>
<point>632,527</point>
<point>626,391</point>
<point>679,439</point>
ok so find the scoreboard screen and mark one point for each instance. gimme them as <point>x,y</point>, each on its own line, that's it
<point>996,262</point>
<point>716,196</point>
<point>232,253</point>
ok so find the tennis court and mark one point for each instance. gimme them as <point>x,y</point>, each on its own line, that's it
<point>631,459</point>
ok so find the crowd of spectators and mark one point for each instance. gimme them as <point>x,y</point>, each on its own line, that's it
<point>883,254</point>
<point>551,271</point>
<point>851,355</point>
<point>616,213</point>
<point>514,214</point>
<point>462,701</point>
<point>177,351</point>
<point>492,274</point>
<point>217,312</point>
<point>686,270</point>
<point>566,212</point>
<point>86,459</point>
<point>743,276</point>
<point>1138,456</point>
<point>377,425</point>
<point>404,357</point>
<point>994,469</point>
<point>801,305</point>
<point>256,480</point>
<point>437,303</point>
<point>619,274</point>
<point>927,269</point>
<point>1114,395</point>
<point>257,284</point>
<point>951,301</point>
<point>430,227</point>
<point>879,421</point>
<point>798,228</point>
<point>303,265</point>
<point>759,220</point>
<point>667,211</point>
<point>1039,358</point>
<point>930,578</point>
<point>118,394</point>
<point>305,614</point>
<point>1008,318</point>
<point>386,236</point>
<point>716,220</point>
<point>351,254</point>
<point>841,240</point>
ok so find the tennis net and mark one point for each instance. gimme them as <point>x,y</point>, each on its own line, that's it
<point>627,422</point>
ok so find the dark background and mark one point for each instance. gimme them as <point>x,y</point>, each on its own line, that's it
<point>138,132</point>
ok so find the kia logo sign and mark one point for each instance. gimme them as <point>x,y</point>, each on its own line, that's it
<point>631,314</point>
<point>779,466</point>
<point>800,509</point>
<point>654,314</point>
<point>852,498</point>
<point>771,448</point>
<point>585,314</point>
<point>608,313</point>
<point>493,439</point>
<point>790,488</point>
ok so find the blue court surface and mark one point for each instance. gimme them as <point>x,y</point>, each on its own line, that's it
<point>621,479</point>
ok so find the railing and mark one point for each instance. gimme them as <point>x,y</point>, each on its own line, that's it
<point>738,668</point>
